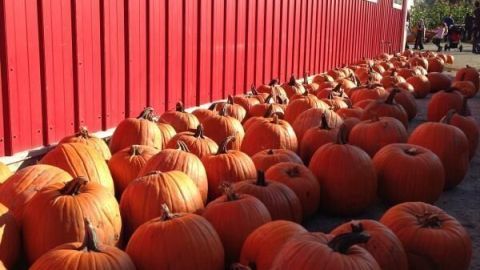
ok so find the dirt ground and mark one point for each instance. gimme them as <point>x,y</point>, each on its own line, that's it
<point>463,202</point>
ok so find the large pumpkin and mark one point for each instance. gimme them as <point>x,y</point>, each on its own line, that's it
<point>55,216</point>
<point>197,142</point>
<point>371,135</point>
<point>298,106</point>
<point>227,165</point>
<point>439,81</point>
<point>436,64</point>
<point>467,88</point>
<point>141,130</point>
<point>265,159</point>
<point>450,144</point>
<point>80,160</point>
<point>82,136</point>
<point>442,102</point>
<point>370,91</point>
<point>20,188</point>
<point>89,254</point>
<point>247,102</point>
<point>9,238</point>
<point>142,199</point>
<point>275,133</point>
<point>179,159</point>
<point>339,168</point>
<point>383,244</point>
<point>301,181</point>
<point>179,118</point>
<point>312,118</point>
<point>204,113</point>
<point>235,217</point>
<point>263,244</point>
<point>280,200</point>
<point>167,131</point>
<point>176,241</point>
<point>423,181</point>
<point>431,238</point>
<point>406,99</point>
<point>220,126</point>
<point>465,122</point>
<point>316,137</point>
<point>468,73</point>
<point>387,107</point>
<point>125,165</point>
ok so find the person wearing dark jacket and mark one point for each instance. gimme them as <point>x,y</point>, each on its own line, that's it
<point>469,21</point>
<point>420,35</point>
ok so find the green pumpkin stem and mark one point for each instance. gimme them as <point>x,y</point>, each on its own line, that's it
<point>179,107</point>
<point>342,242</point>
<point>448,117</point>
<point>227,189</point>
<point>222,148</point>
<point>342,135</point>
<point>391,96</point>
<point>212,106</point>
<point>324,124</point>
<point>199,132</point>
<point>73,187</point>
<point>90,241</point>
<point>261,179</point>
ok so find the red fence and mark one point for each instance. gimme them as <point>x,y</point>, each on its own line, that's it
<point>67,63</point>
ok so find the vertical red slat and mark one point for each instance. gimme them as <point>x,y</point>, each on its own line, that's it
<point>157,60</point>
<point>301,39</point>
<point>283,40</point>
<point>2,104</point>
<point>174,77</point>
<point>229,48</point>
<point>328,34</point>
<point>250,48</point>
<point>260,39</point>
<point>296,35</point>
<point>240,47</point>
<point>217,50</point>
<point>267,44</point>
<point>290,37</point>
<point>309,65</point>
<point>191,52</point>
<point>276,30</point>
<point>319,64</point>
<point>204,67</point>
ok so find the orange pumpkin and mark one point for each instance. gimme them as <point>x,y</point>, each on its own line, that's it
<point>220,126</point>
<point>467,88</point>
<point>202,113</point>
<point>312,118</point>
<point>435,64</point>
<point>82,136</point>
<point>350,112</point>
<point>167,131</point>
<point>234,110</point>
<point>320,78</point>
<point>9,238</point>
<point>316,137</point>
<point>421,85</point>
<point>267,108</point>
<point>466,123</point>
<point>293,87</point>
<point>197,142</point>
<point>469,73</point>
<point>298,106</point>
<point>391,80</point>
<point>387,107</point>
<point>265,159</point>
<point>442,102</point>
<point>179,119</point>
<point>246,101</point>
<point>370,91</point>
<point>406,99</point>
<point>439,81</point>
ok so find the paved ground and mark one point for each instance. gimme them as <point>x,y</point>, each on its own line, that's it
<point>463,202</point>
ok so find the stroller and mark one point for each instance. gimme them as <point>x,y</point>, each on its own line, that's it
<point>454,38</point>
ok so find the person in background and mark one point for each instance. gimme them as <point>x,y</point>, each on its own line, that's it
<point>440,32</point>
<point>476,27</point>
<point>420,35</point>
<point>469,20</point>
<point>449,22</point>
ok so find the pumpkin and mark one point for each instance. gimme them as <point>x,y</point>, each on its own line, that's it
<point>167,131</point>
<point>321,252</point>
<point>141,130</point>
<point>234,110</point>
<point>282,203</point>
<point>197,142</point>
<point>443,101</point>
<point>298,106</point>
<point>266,108</point>
<point>371,135</point>
<point>89,254</point>
<point>349,124</point>
<point>263,244</point>
<point>247,101</point>
<point>449,143</point>
<point>272,87</point>
<point>467,124</point>
<point>125,165</point>
<point>439,81</point>
<point>82,136</point>
<point>227,165</point>
<point>325,92</point>
<point>337,101</point>
<point>234,217</point>
<point>78,160</point>
<point>467,88</point>
<point>418,61</point>
<point>431,238</point>
<point>405,86</point>
<point>423,181</point>
<point>392,80</point>
<point>387,107</point>
<point>220,126</point>
<point>165,242</point>
<point>338,167</point>
<point>20,188</point>
<point>450,59</point>
<point>316,137</point>
<point>265,159</point>
<point>421,85</point>
<point>9,238</point>
<point>370,91</point>
<point>320,78</point>
<point>350,112</point>
<point>55,215</point>
<point>5,173</point>
<point>406,99</point>
<point>435,64</point>
<point>179,119</point>
<point>312,118</point>
<point>363,104</point>
<point>468,73</point>
<point>179,159</point>
<point>261,97</point>
<point>305,94</point>
<point>301,181</point>
<point>275,133</point>
<point>406,72</point>
<point>202,114</point>
<point>383,244</point>
<point>142,199</point>
<point>292,87</point>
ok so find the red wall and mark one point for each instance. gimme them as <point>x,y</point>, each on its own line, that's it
<point>88,62</point>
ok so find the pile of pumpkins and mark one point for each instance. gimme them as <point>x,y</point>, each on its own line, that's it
<point>228,186</point>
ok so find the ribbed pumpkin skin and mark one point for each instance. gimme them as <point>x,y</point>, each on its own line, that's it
<point>219,127</point>
<point>52,218</point>
<point>84,137</point>
<point>135,131</point>
<point>186,241</point>
<point>179,119</point>
<point>372,135</point>
<point>423,181</point>
<point>385,109</point>
<point>282,203</point>
<point>450,144</point>
<point>20,188</point>
<point>383,244</point>
<point>271,134</point>
<point>234,110</point>
<point>315,138</point>
<point>370,92</point>
<point>235,220</point>
<point>347,178</point>
<point>142,199</point>
<point>5,173</point>
<point>262,245</point>
<point>310,252</point>
<point>179,160</point>
<point>443,245</point>
<point>167,131</point>
<point>126,164</point>
<point>265,159</point>
<point>301,181</point>
<point>467,88</point>
<point>442,102</point>
<point>200,145</point>
<point>312,118</point>
<point>407,101</point>
<point>80,160</point>
<point>421,85</point>
<point>468,74</point>
<point>298,106</point>
<point>469,127</point>
<point>439,81</point>
<point>72,256</point>
<point>9,238</point>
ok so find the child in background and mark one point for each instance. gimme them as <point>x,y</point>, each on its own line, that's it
<point>440,33</point>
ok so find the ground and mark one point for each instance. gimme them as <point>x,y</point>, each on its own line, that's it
<point>463,202</point>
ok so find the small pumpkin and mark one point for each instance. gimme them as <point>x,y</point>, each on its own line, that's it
<point>350,112</point>
<point>465,122</point>
<point>316,137</point>
<point>83,136</point>
<point>320,78</point>
<point>469,73</point>
<point>392,80</point>
<point>387,107</point>
<point>9,238</point>
<point>233,109</point>
<point>435,64</point>
<point>197,142</point>
<point>265,159</point>
<point>443,101</point>
<point>406,99</point>
<point>179,118</point>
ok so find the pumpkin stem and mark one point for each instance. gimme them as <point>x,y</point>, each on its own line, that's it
<point>147,114</point>
<point>239,266</point>
<point>292,81</point>
<point>411,151</point>
<point>269,98</point>
<point>261,179</point>
<point>230,100</point>
<point>324,124</point>
<point>227,189</point>
<point>270,152</point>
<point>337,88</point>
<point>391,96</point>
<point>253,89</point>
<point>448,117</point>
<point>374,117</point>
<point>199,132</point>
<point>275,119</point>
<point>305,77</point>
<point>273,82</point>
<point>134,150</point>
<point>293,171</point>
<point>90,241</point>
<point>357,227</point>
<point>72,188</point>
<point>166,213</point>
<point>222,149</point>
<point>83,132</point>
<point>342,242</point>
<point>153,173</point>
<point>223,111</point>
<point>429,220</point>
<point>179,107</point>
<point>342,135</point>
<point>182,146</point>
<point>212,106</point>
<point>269,111</point>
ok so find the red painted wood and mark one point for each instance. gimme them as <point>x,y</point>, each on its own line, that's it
<point>2,105</point>
<point>229,48</point>
<point>174,50</point>
<point>250,48</point>
<point>204,67</point>
<point>259,43</point>
<point>282,57</point>
<point>267,45</point>
<point>218,50</point>
<point>190,52</point>
<point>157,55</point>
<point>302,34</point>
<point>296,36</point>
<point>310,38</point>
<point>240,84</point>
<point>276,47</point>
<point>290,38</point>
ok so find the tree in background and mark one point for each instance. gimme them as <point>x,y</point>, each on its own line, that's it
<point>433,11</point>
